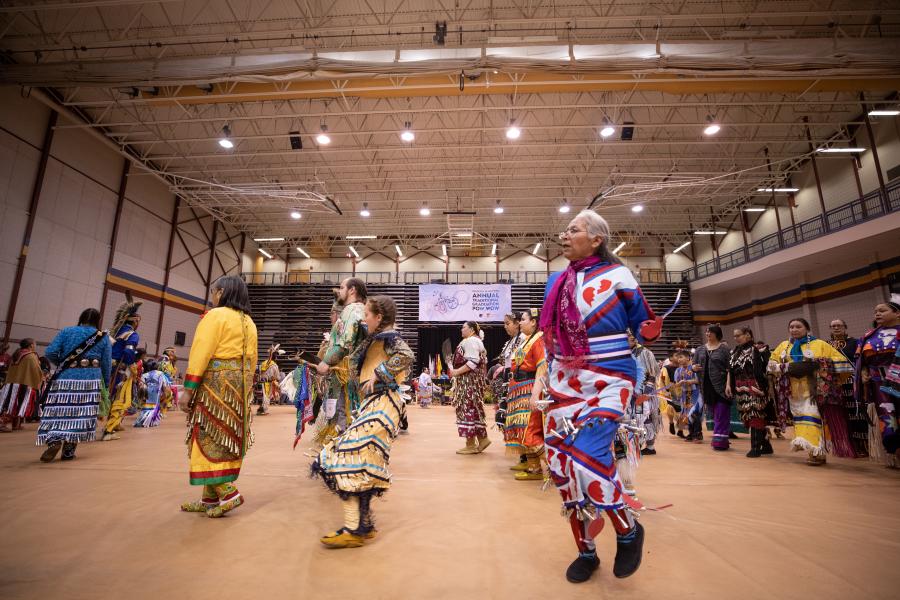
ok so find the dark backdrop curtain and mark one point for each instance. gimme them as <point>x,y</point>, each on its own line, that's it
<point>432,335</point>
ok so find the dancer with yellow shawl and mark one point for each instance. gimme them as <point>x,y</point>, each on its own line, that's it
<point>808,373</point>
<point>355,464</point>
<point>218,388</point>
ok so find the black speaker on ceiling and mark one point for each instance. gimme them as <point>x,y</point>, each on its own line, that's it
<point>180,338</point>
<point>627,131</point>
<point>296,142</point>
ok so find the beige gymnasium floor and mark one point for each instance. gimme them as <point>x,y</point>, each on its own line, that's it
<point>108,526</point>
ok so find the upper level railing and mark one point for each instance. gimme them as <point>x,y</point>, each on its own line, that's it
<point>420,277</point>
<point>853,213</point>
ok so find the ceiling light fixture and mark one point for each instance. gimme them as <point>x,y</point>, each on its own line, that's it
<point>225,140</point>
<point>323,138</point>
<point>407,134</point>
<point>564,208</point>
<point>884,113</point>
<point>466,234</point>
<point>607,129</point>
<point>353,250</point>
<point>754,209</point>
<point>397,248</point>
<point>536,248</point>
<point>712,128</point>
<point>637,208</point>
<point>513,132</point>
<point>681,247</point>
<point>444,249</point>
<point>619,247</point>
<point>425,211</point>
<point>296,215</point>
<point>498,210</point>
<point>839,150</point>
<point>494,250</point>
<point>302,251</point>
<point>365,210</point>
<point>717,232</point>
<point>268,239</point>
<point>264,253</point>
<point>361,237</point>
<point>779,189</point>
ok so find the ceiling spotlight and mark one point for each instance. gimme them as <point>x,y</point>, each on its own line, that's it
<point>323,139</point>
<point>564,208</point>
<point>607,129</point>
<point>264,253</point>
<point>296,215</point>
<point>225,140</point>
<point>637,208</point>
<point>513,132</point>
<point>619,247</point>
<point>302,251</point>
<point>536,248</point>
<point>884,113</point>
<point>494,250</point>
<point>425,211</point>
<point>407,134</point>
<point>365,210</point>
<point>397,248</point>
<point>712,128</point>
<point>498,210</point>
<point>353,250</point>
<point>681,247</point>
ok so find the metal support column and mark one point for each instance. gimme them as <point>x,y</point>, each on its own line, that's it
<point>885,207</point>
<point>815,166</point>
<point>29,225</point>
<point>212,256</point>
<point>859,189</point>
<point>774,201</point>
<point>165,286</point>
<point>120,202</point>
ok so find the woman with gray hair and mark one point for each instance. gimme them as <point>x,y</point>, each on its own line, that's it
<point>587,310</point>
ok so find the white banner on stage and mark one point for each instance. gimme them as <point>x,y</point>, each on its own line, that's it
<point>464,302</point>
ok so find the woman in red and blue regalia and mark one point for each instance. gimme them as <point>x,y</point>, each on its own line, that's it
<point>587,310</point>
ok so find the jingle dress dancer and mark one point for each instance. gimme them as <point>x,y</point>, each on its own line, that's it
<point>470,372</point>
<point>809,373</point>
<point>748,385</point>
<point>69,414</point>
<point>874,362</point>
<point>529,371</point>
<point>218,389</point>
<point>354,465</point>
<point>587,310</point>
<point>19,394</point>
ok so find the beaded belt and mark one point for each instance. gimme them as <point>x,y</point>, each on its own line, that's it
<point>83,363</point>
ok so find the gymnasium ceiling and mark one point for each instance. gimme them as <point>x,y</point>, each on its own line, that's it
<point>161,79</point>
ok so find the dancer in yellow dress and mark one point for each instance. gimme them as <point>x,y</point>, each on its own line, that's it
<point>809,372</point>
<point>218,388</point>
